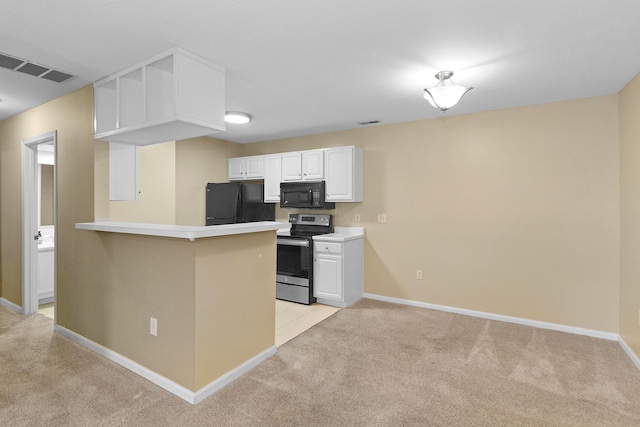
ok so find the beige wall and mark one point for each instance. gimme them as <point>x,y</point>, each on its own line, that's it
<point>72,117</point>
<point>630,214</point>
<point>235,302</point>
<point>156,202</point>
<point>101,179</point>
<point>172,180</point>
<point>207,325</point>
<point>109,285</point>
<point>198,162</point>
<point>46,195</point>
<point>514,212</point>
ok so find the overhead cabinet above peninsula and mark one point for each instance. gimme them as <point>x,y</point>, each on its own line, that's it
<point>174,95</point>
<point>340,167</point>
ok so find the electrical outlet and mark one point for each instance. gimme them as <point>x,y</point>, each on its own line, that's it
<point>153,326</point>
<point>382,218</point>
<point>357,217</point>
<point>419,274</point>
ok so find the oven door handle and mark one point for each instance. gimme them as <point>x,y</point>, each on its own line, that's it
<point>303,243</point>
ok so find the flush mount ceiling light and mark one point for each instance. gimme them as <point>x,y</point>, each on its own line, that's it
<point>445,94</point>
<point>237,117</point>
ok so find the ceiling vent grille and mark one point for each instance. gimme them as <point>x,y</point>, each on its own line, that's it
<point>36,70</point>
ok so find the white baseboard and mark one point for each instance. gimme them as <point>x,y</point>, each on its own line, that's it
<point>634,358</point>
<point>527,322</point>
<point>11,306</point>
<point>167,384</point>
<point>233,374</point>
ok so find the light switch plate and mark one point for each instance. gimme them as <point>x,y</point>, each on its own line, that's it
<point>382,218</point>
<point>153,326</point>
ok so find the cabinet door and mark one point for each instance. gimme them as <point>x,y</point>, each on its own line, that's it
<point>339,174</point>
<point>235,168</point>
<point>327,277</point>
<point>123,171</point>
<point>272,177</point>
<point>292,166</point>
<point>253,167</point>
<point>313,165</point>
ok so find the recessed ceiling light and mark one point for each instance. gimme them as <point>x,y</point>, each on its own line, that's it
<point>237,117</point>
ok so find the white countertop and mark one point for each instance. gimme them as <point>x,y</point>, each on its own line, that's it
<point>190,232</point>
<point>341,234</point>
<point>45,246</point>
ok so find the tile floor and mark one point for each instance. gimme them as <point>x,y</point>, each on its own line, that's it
<point>46,309</point>
<point>291,319</point>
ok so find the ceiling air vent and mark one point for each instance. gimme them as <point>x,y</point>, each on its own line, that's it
<point>36,70</point>
<point>9,61</point>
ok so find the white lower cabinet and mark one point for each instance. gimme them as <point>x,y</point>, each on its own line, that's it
<point>338,269</point>
<point>45,275</point>
<point>327,276</point>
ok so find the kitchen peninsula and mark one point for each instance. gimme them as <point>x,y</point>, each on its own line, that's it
<point>210,289</point>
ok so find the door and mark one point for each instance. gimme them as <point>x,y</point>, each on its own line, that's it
<point>292,166</point>
<point>272,178</point>
<point>339,176</point>
<point>293,258</point>
<point>31,217</point>
<point>222,202</point>
<point>327,276</point>
<point>235,168</point>
<point>312,165</point>
<point>253,167</point>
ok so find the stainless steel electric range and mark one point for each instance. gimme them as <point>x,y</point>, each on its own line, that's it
<point>294,273</point>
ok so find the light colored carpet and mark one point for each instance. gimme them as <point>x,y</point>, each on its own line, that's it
<point>373,364</point>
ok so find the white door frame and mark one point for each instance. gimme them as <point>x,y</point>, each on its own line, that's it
<point>30,218</point>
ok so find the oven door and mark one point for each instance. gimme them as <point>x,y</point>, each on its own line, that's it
<point>294,275</point>
<point>293,258</point>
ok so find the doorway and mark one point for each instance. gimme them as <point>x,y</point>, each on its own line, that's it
<point>39,220</point>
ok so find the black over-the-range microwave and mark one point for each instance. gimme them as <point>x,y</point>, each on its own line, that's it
<point>304,195</point>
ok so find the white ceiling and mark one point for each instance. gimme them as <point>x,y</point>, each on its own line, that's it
<point>305,67</point>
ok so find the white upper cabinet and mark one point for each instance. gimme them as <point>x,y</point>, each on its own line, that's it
<point>340,167</point>
<point>272,178</point>
<point>313,165</point>
<point>251,167</point>
<point>172,96</point>
<point>303,166</point>
<point>343,174</point>
<point>123,171</point>
<point>292,166</point>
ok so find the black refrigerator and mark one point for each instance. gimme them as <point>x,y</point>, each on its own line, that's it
<point>232,202</point>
